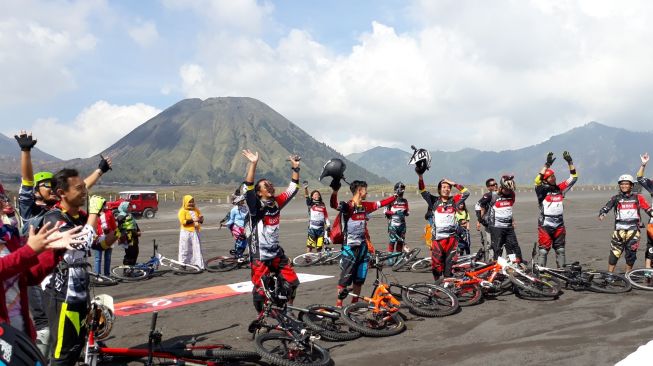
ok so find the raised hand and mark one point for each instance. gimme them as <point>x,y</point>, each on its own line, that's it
<point>71,239</point>
<point>294,160</point>
<point>25,140</point>
<point>105,164</point>
<point>567,157</point>
<point>644,158</point>
<point>549,159</point>
<point>251,156</point>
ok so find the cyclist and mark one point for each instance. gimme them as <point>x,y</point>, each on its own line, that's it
<point>482,211</point>
<point>190,246</point>
<point>264,215</point>
<point>550,195</point>
<point>648,185</point>
<point>128,234</point>
<point>236,224</point>
<point>464,238</point>
<point>443,237</point>
<point>318,222</point>
<point>396,214</point>
<point>66,294</point>
<point>356,245</point>
<point>35,198</point>
<point>499,218</point>
<point>625,237</point>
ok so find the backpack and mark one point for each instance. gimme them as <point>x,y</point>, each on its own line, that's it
<point>337,233</point>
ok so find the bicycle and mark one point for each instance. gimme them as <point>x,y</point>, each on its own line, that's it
<point>146,270</point>
<point>95,352</point>
<point>378,315</point>
<point>326,256</point>
<point>578,279</point>
<point>641,279</point>
<point>460,264</point>
<point>224,263</point>
<point>294,344</point>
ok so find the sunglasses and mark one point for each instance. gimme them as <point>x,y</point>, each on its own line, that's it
<point>492,185</point>
<point>45,184</point>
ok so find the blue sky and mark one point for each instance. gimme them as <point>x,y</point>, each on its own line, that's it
<point>440,74</point>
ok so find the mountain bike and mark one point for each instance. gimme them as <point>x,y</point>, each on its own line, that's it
<point>326,256</point>
<point>576,278</point>
<point>641,279</point>
<point>224,263</point>
<point>289,342</point>
<point>146,270</point>
<point>95,352</point>
<point>460,264</point>
<point>378,315</point>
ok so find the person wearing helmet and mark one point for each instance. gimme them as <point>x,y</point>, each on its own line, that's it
<point>396,214</point>
<point>443,233</point>
<point>236,224</point>
<point>128,233</point>
<point>318,220</point>
<point>648,185</point>
<point>550,195</point>
<point>625,237</point>
<point>265,207</point>
<point>356,245</point>
<point>35,198</point>
<point>499,218</point>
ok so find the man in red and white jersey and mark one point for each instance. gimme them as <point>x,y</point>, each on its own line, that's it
<point>648,185</point>
<point>551,229</point>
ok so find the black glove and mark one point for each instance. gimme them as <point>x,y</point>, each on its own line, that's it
<point>25,141</point>
<point>420,168</point>
<point>104,165</point>
<point>335,184</point>
<point>567,157</point>
<point>549,159</point>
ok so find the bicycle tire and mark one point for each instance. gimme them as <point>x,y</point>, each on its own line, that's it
<point>468,294</point>
<point>180,267</point>
<point>129,273</point>
<point>405,259</point>
<point>421,266</point>
<point>279,354</point>
<point>224,354</point>
<point>329,329</point>
<point>533,285</point>
<point>360,317</point>
<point>641,279</point>
<point>609,283</point>
<point>97,279</point>
<point>426,299</point>
<point>307,259</point>
<point>332,257</point>
<point>221,264</point>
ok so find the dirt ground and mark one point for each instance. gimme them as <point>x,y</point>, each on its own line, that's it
<point>577,329</point>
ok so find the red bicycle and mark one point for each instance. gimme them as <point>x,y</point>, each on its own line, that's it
<point>100,320</point>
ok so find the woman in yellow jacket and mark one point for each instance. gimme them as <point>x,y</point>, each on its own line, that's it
<point>190,218</point>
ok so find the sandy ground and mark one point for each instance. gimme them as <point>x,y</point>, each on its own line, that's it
<point>577,329</point>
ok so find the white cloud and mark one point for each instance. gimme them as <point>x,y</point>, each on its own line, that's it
<point>243,15</point>
<point>93,130</point>
<point>39,41</point>
<point>144,33</point>
<point>491,75</point>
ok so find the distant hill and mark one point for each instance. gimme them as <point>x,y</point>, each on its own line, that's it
<point>601,153</point>
<point>10,158</point>
<point>200,141</point>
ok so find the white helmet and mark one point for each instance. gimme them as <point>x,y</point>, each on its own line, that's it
<point>627,178</point>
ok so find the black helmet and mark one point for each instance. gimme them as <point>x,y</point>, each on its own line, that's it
<point>400,188</point>
<point>334,168</point>
<point>17,348</point>
<point>507,182</point>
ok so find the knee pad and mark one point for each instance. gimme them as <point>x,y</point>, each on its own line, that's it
<point>560,256</point>
<point>258,298</point>
<point>542,254</point>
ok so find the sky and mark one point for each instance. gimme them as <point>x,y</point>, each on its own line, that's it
<point>439,74</point>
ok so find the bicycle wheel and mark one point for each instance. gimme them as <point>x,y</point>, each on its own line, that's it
<point>331,257</point>
<point>533,285</point>
<point>97,280</point>
<point>641,279</point>
<point>329,328</point>
<point>405,259</point>
<point>221,264</point>
<point>179,267</point>
<point>306,259</point>
<point>129,273</point>
<point>467,294</point>
<point>223,354</point>
<point>360,317</point>
<point>421,266</point>
<point>284,350</point>
<point>425,299</point>
<point>610,283</point>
